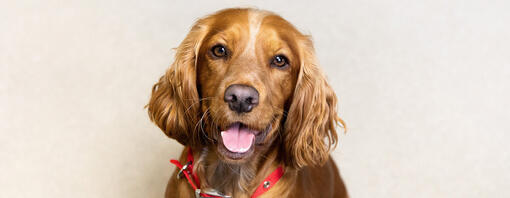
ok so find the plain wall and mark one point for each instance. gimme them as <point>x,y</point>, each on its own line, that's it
<point>422,85</point>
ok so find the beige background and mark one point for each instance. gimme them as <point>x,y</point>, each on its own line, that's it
<point>423,87</point>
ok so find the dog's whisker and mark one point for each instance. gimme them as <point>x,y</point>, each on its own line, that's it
<point>197,102</point>
<point>201,125</point>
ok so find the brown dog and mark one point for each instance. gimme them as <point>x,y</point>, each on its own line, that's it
<point>246,95</point>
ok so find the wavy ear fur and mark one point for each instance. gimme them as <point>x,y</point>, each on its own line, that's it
<point>310,125</point>
<point>174,104</point>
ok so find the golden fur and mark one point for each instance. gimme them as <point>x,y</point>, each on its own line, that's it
<point>297,107</point>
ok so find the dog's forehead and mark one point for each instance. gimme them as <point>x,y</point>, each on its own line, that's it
<point>249,32</point>
<point>248,25</point>
<point>254,23</point>
<point>236,24</point>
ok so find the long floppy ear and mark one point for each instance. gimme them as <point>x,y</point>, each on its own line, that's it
<point>310,125</point>
<point>174,104</point>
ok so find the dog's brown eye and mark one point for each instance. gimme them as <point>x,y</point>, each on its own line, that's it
<point>219,51</point>
<point>280,61</point>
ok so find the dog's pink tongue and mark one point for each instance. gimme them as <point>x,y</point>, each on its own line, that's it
<point>237,139</point>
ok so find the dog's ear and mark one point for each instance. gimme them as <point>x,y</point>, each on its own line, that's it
<point>312,117</point>
<point>174,104</point>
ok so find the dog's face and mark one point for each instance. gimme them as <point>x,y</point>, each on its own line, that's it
<point>244,80</point>
<point>247,72</point>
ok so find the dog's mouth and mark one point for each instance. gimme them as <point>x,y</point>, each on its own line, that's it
<point>238,138</point>
<point>237,141</point>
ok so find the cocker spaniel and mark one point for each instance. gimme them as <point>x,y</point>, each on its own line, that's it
<point>247,98</point>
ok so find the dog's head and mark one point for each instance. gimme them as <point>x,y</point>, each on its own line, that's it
<point>244,81</point>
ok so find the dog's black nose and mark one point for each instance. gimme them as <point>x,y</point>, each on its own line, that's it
<point>241,98</point>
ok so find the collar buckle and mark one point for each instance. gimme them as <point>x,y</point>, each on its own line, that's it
<point>210,192</point>
<point>184,168</point>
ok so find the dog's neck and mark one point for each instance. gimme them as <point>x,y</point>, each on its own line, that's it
<point>233,179</point>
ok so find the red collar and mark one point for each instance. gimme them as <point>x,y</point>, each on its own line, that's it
<point>187,170</point>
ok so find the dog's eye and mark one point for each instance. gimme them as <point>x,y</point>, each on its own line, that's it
<point>280,61</point>
<point>219,51</point>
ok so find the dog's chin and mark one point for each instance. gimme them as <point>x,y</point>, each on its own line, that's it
<point>241,155</point>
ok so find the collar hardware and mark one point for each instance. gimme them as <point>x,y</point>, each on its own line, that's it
<point>184,168</point>
<point>266,184</point>
<point>187,171</point>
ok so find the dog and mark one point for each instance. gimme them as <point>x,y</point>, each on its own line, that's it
<point>246,96</point>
